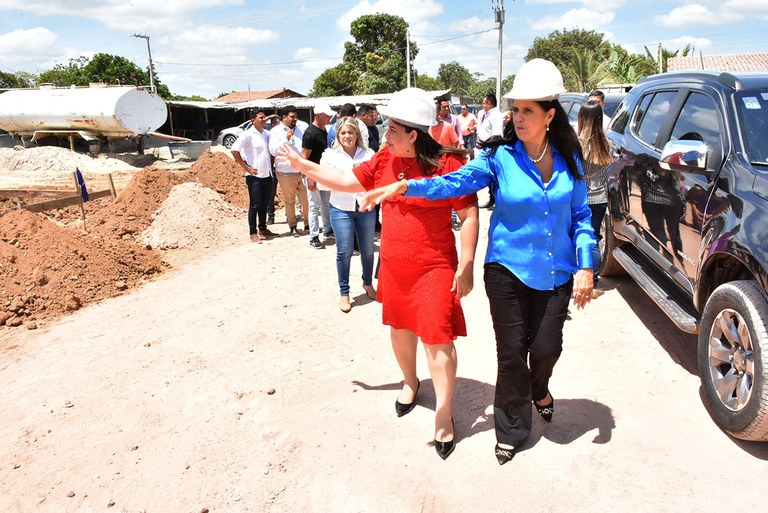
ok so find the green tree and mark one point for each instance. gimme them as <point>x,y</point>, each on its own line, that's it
<point>374,62</point>
<point>481,86</point>
<point>559,47</point>
<point>19,79</point>
<point>456,77</point>
<point>626,68</point>
<point>428,83</point>
<point>102,67</point>
<point>336,81</point>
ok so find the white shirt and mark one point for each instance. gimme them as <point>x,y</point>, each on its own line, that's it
<point>340,159</point>
<point>253,147</point>
<point>490,123</point>
<point>279,136</point>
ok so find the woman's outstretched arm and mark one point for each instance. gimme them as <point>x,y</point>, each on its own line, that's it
<point>333,178</point>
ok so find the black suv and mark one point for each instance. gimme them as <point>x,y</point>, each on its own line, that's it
<point>687,219</point>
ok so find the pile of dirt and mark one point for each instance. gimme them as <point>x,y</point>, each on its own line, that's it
<point>49,266</point>
<point>194,217</point>
<point>222,174</point>
<point>131,212</point>
<point>48,270</point>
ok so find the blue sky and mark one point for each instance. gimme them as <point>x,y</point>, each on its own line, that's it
<point>206,47</point>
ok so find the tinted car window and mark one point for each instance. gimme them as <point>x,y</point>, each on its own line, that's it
<point>752,111</point>
<point>699,121</point>
<point>619,123</point>
<point>651,114</point>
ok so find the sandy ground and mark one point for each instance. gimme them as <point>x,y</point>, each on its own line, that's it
<point>233,383</point>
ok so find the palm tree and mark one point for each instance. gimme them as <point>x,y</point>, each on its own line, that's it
<point>624,68</point>
<point>664,55</point>
<point>587,72</point>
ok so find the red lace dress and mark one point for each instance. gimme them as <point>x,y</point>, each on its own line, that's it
<point>418,252</point>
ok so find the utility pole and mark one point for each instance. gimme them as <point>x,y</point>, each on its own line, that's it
<point>499,11</point>
<point>151,69</point>
<point>408,57</point>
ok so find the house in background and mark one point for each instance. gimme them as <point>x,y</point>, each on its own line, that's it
<point>247,96</point>
<point>737,62</point>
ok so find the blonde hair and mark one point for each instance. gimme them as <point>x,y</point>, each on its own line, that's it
<point>350,122</point>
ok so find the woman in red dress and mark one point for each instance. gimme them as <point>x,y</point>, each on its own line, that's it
<point>422,277</point>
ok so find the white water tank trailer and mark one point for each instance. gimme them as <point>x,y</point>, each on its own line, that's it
<point>91,112</point>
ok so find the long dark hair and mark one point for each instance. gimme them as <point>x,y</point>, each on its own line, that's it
<point>594,144</point>
<point>428,151</point>
<point>561,136</point>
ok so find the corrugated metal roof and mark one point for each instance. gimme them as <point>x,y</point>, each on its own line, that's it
<point>737,62</point>
<point>301,103</point>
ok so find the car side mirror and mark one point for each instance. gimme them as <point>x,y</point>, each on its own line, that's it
<point>684,155</point>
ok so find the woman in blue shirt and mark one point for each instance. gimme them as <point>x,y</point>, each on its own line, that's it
<point>539,243</point>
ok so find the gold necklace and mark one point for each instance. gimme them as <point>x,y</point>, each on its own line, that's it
<point>402,172</point>
<point>538,159</point>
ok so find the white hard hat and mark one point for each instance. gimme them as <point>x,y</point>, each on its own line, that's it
<point>537,79</point>
<point>412,107</point>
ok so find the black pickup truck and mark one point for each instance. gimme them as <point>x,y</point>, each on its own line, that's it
<point>688,221</point>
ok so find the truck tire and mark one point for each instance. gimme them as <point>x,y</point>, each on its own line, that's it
<point>732,352</point>
<point>609,266</point>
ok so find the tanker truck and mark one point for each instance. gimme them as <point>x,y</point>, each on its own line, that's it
<point>95,114</point>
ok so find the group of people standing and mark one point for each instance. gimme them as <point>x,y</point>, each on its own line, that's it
<point>541,238</point>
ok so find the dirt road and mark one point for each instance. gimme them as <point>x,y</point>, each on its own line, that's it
<point>235,384</point>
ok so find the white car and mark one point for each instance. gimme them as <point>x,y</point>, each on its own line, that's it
<point>228,136</point>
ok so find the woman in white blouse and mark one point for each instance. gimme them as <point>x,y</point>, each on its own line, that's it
<point>346,219</point>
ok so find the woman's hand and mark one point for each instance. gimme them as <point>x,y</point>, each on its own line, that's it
<point>288,157</point>
<point>463,282</point>
<point>378,195</point>
<point>582,288</point>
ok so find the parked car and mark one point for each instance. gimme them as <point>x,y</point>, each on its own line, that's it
<point>228,136</point>
<point>687,217</point>
<point>572,102</point>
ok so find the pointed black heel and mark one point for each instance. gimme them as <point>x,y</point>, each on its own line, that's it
<point>444,449</point>
<point>403,409</point>
<point>547,411</point>
<point>504,455</point>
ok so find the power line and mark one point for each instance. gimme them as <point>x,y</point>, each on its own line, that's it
<point>320,59</point>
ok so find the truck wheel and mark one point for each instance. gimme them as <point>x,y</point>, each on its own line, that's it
<point>732,352</point>
<point>609,266</point>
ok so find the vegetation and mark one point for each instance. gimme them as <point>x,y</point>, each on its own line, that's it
<point>375,62</point>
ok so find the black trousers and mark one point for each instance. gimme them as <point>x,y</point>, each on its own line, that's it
<point>529,328</point>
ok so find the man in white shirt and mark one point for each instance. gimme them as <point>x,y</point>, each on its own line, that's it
<point>491,123</point>
<point>289,179</point>
<point>251,152</point>
<point>468,125</point>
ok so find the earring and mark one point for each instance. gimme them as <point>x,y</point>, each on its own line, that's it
<point>547,128</point>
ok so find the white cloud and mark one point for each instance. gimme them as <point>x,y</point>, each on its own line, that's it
<point>23,42</point>
<point>575,18</point>
<point>416,12</point>
<point>305,53</point>
<point>603,4</point>
<point>697,15</point>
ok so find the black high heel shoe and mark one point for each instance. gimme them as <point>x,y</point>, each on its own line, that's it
<point>547,411</point>
<point>504,455</point>
<point>403,409</point>
<point>444,449</point>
